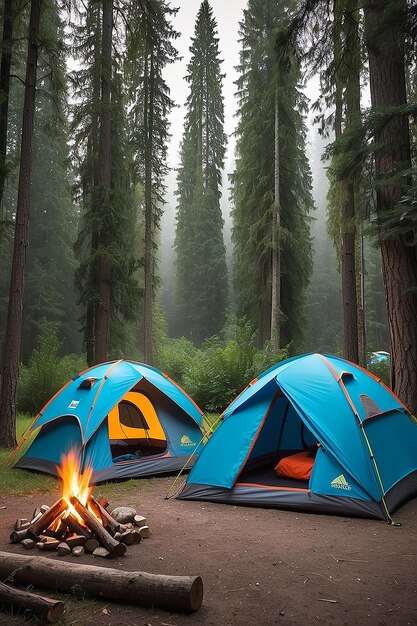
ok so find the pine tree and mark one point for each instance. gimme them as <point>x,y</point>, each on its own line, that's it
<point>270,132</point>
<point>53,222</point>
<point>149,51</point>
<point>5,66</point>
<point>106,244</point>
<point>10,368</point>
<point>201,254</point>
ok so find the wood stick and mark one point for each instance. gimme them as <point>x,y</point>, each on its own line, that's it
<point>103,502</point>
<point>18,535</point>
<point>184,593</point>
<point>77,528</point>
<point>108,520</point>
<point>45,609</point>
<point>46,519</point>
<point>106,540</point>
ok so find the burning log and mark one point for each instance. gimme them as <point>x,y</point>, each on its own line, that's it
<point>184,593</point>
<point>77,528</point>
<point>114,547</point>
<point>108,520</point>
<point>36,528</point>
<point>45,609</point>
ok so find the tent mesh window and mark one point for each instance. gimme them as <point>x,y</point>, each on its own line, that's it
<point>131,416</point>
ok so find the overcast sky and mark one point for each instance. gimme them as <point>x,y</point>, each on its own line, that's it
<point>227,13</point>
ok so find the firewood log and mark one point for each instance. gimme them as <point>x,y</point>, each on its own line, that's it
<point>48,545</point>
<point>108,521</point>
<point>77,528</point>
<point>18,535</point>
<point>45,609</point>
<point>21,524</point>
<point>36,528</point>
<point>103,502</point>
<point>91,544</point>
<point>106,540</point>
<point>184,593</point>
<point>128,537</point>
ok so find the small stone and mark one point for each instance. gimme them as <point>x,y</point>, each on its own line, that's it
<point>123,514</point>
<point>145,532</point>
<point>78,551</point>
<point>63,549</point>
<point>101,552</point>
<point>140,520</point>
<point>44,508</point>
<point>29,544</point>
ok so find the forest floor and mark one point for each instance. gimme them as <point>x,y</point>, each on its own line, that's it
<point>259,566</point>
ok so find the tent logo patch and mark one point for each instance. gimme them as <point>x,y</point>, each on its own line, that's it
<point>186,441</point>
<point>341,483</point>
<point>73,404</point>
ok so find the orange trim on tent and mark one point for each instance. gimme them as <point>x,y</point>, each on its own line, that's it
<point>238,396</point>
<point>184,392</point>
<point>270,487</point>
<point>378,380</point>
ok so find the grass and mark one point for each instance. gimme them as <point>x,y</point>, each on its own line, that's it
<point>18,482</point>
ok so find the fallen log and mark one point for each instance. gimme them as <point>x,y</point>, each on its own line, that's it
<point>183,593</point>
<point>45,609</point>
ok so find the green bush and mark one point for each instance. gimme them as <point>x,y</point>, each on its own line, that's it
<point>214,374</point>
<point>174,356</point>
<point>381,369</point>
<point>46,371</point>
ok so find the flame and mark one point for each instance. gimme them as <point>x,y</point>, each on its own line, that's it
<point>73,482</point>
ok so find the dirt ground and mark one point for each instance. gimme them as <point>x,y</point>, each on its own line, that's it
<point>259,566</point>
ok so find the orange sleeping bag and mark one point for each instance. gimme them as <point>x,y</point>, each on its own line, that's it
<point>296,466</point>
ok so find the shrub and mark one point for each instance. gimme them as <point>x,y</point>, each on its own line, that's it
<point>214,374</point>
<point>46,371</point>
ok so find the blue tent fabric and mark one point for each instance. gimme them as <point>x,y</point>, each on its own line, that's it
<point>368,441</point>
<point>76,418</point>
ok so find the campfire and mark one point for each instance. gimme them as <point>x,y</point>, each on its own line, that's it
<point>77,522</point>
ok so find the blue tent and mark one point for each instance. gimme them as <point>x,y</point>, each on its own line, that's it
<point>125,419</point>
<point>366,463</point>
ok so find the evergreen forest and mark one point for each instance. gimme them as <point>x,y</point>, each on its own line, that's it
<point>293,231</point>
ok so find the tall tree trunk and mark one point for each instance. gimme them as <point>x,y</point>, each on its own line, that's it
<point>360,288</point>
<point>347,75</point>
<point>149,217</point>
<point>385,22</point>
<point>92,187</point>
<point>14,313</point>
<point>6,61</point>
<point>104,273</point>
<point>276,248</point>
